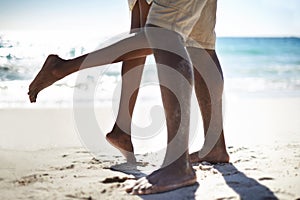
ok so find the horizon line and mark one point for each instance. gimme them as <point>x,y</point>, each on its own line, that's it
<point>218,36</point>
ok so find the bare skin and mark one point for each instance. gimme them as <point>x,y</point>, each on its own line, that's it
<point>154,183</point>
<point>218,153</point>
<point>58,68</point>
<point>120,138</point>
<point>48,75</point>
<point>122,141</point>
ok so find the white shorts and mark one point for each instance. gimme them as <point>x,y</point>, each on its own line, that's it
<point>194,19</point>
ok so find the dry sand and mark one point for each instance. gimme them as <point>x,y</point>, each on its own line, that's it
<point>46,160</point>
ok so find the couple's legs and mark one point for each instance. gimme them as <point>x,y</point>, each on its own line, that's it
<point>176,170</point>
<point>204,60</point>
<point>55,68</point>
<point>209,98</point>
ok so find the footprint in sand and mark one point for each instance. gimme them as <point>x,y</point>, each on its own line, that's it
<point>232,149</point>
<point>26,180</point>
<point>72,166</point>
<point>266,179</point>
<point>115,179</point>
<point>241,160</point>
<point>251,169</point>
<point>82,152</point>
<point>227,198</point>
<point>78,197</point>
<point>205,166</point>
<point>94,161</point>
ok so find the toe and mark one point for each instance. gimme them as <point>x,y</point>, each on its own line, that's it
<point>142,187</point>
<point>146,189</point>
<point>129,185</point>
<point>32,97</point>
<point>134,188</point>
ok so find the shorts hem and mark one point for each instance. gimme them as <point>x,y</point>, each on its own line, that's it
<point>166,25</point>
<point>202,45</point>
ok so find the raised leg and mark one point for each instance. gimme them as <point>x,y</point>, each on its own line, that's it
<point>209,92</point>
<point>55,68</point>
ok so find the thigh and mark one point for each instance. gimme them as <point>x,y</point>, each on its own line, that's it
<point>144,10</point>
<point>179,16</point>
<point>135,17</point>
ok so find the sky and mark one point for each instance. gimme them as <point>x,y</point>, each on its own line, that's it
<point>234,17</point>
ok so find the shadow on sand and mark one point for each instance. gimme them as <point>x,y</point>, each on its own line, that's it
<point>188,193</point>
<point>245,187</point>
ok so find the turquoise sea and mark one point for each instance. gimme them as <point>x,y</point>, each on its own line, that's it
<point>262,64</point>
<point>255,66</point>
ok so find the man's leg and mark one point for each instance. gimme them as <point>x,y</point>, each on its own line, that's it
<point>176,79</point>
<point>132,70</point>
<point>209,95</point>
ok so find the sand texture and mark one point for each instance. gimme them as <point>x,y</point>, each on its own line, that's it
<point>46,161</point>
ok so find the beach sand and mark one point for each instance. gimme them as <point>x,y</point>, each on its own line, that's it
<point>42,156</point>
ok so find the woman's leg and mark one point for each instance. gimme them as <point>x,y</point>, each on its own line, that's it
<point>55,68</point>
<point>132,70</point>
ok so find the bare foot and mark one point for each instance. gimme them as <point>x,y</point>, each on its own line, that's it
<point>163,180</point>
<point>122,141</point>
<point>46,77</point>
<point>215,156</point>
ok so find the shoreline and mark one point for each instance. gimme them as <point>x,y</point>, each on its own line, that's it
<point>265,118</point>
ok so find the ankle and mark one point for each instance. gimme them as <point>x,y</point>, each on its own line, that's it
<point>124,131</point>
<point>59,68</point>
<point>180,163</point>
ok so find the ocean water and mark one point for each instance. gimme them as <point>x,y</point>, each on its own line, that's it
<point>265,65</point>
<point>252,66</point>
